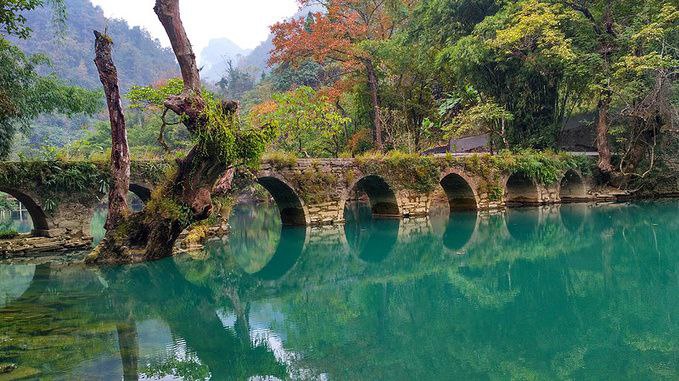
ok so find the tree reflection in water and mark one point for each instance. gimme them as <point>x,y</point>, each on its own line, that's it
<point>584,292</point>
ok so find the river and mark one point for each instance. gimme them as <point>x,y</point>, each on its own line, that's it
<point>560,292</point>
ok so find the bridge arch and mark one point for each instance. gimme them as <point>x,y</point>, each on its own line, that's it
<point>141,191</point>
<point>40,221</point>
<point>290,205</point>
<point>521,189</point>
<point>383,201</point>
<point>572,187</point>
<point>459,191</point>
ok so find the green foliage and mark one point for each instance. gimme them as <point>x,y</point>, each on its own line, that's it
<point>8,234</point>
<point>486,117</point>
<point>544,167</point>
<point>56,179</point>
<point>286,77</point>
<point>226,138</point>
<point>13,21</point>
<point>404,171</point>
<point>167,209</point>
<point>306,123</point>
<point>25,94</point>
<point>280,159</point>
<point>142,97</point>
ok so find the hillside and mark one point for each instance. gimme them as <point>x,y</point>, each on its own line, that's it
<point>257,61</point>
<point>140,58</point>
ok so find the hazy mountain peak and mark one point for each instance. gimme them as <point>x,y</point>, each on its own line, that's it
<point>215,56</point>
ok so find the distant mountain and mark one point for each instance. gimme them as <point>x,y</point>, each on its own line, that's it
<point>215,56</point>
<point>140,59</point>
<point>257,62</point>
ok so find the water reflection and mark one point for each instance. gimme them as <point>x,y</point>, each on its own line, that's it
<point>522,223</point>
<point>14,281</point>
<point>460,227</point>
<point>550,304</point>
<point>371,239</point>
<point>98,220</point>
<point>262,246</point>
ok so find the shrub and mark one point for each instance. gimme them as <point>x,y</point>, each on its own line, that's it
<point>280,159</point>
<point>8,234</point>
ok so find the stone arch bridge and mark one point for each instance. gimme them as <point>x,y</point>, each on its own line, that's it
<point>61,197</point>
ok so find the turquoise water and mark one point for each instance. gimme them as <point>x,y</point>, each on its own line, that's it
<point>570,292</point>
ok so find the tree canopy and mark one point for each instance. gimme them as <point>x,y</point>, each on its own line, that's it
<point>24,94</point>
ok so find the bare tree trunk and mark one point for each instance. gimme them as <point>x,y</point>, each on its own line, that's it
<point>503,133</point>
<point>604,29</point>
<point>120,153</point>
<point>602,144</point>
<point>374,100</point>
<point>605,50</point>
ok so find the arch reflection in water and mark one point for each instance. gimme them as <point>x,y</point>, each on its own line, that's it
<point>261,244</point>
<point>136,199</point>
<point>460,229</point>
<point>522,223</point>
<point>371,239</point>
<point>15,280</point>
<point>573,216</point>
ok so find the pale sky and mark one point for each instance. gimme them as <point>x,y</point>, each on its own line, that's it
<point>245,22</point>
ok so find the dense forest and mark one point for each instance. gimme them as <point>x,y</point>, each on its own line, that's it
<point>408,74</point>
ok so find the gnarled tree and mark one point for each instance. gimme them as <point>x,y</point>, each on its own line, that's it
<point>185,198</point>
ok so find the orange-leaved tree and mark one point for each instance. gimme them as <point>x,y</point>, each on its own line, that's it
<point>345,32</point>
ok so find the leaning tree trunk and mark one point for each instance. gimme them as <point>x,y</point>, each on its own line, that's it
<point>185,198</point>
<point>120,153</point>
